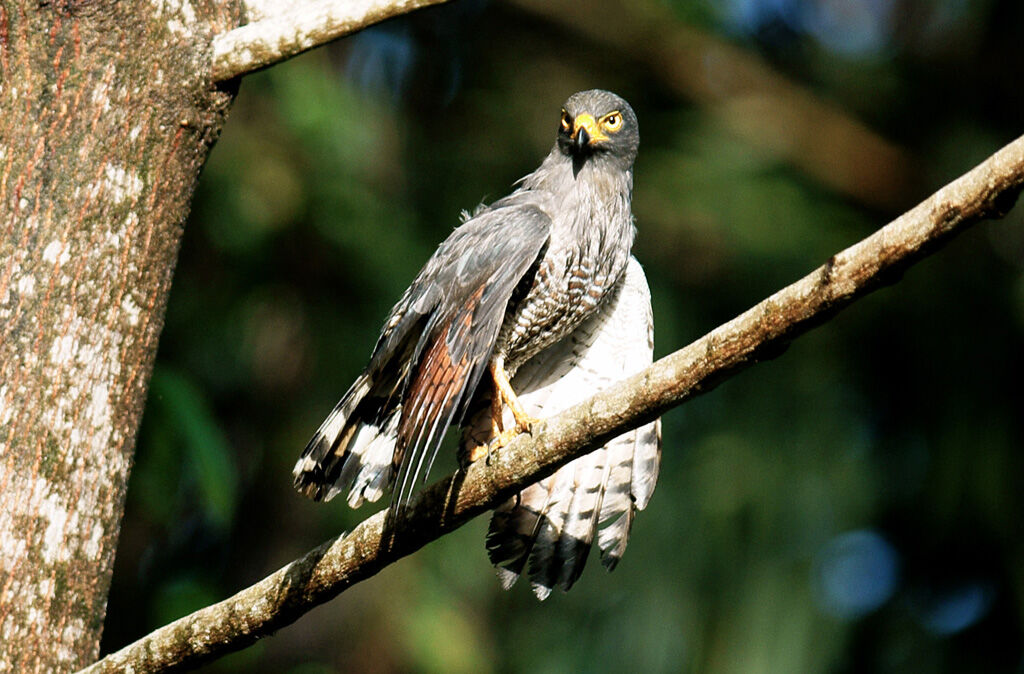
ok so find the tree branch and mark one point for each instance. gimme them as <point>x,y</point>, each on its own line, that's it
<point>761,332</point>
<point>276,36</point>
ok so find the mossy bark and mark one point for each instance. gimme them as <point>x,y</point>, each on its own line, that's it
<point>106,118</point>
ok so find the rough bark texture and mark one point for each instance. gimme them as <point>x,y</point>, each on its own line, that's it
<point>761,332</point>
<point>106,117</point>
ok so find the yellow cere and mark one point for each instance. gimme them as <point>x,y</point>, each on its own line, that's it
<point>611,123</point>
<point>587,121</point>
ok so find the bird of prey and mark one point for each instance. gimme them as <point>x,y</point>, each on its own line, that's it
<point>531,305</point>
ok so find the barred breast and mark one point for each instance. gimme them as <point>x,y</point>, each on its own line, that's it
<point>587,254</point>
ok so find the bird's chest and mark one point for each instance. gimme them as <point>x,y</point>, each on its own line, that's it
<point>579,268</point>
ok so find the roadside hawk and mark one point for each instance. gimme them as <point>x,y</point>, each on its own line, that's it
<point>530,306</point>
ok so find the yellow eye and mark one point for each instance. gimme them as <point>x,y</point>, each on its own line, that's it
<point>566,122</point>
<point>612,121</point>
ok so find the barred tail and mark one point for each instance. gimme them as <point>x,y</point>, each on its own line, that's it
<point>352,450</point>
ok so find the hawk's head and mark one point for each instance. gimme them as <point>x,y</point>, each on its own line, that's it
<point>598,123</point>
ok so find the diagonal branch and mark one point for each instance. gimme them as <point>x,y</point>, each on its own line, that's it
<point>296,27</point>
<point>763,331</point>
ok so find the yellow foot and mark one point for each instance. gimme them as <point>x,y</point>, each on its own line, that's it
<point>503,393</point>
<point>478,452</point>
<point>499,439</point>
<point>524,424</point>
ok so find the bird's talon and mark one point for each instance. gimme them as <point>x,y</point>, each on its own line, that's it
<point>503,438</point>
<point>523,425</point>
<point>479,452</point>
<point>526,425</point>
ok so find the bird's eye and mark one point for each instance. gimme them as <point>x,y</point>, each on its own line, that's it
<point>612,121</point>
<point>566,121</point>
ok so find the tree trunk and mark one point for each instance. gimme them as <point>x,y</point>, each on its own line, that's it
<point>106,117</point>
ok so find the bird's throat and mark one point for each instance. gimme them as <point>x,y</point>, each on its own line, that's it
<point>578,160</point>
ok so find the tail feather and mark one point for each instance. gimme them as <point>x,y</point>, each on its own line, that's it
<point>372,470</point>
<point>348,452</point>
<point>647,461</point>
<point>513,530</point>
<point>543,569</point>
<point>582,519</point>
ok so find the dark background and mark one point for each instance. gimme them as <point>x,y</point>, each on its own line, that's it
<point>853,506</point>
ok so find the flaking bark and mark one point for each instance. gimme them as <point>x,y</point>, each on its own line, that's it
<point>763,331</point>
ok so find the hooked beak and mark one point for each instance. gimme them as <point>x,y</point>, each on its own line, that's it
<point>585,133</point>
<point>580,140</point>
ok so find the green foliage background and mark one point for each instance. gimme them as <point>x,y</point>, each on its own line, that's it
<point>854,505</point>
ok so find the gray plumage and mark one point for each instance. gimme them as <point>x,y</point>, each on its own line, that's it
<point>516,278</point>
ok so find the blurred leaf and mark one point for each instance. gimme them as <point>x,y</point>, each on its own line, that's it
<point>181,596</point>
<point>157,468</point>
<point>440,638</point>
<point>204,443</point>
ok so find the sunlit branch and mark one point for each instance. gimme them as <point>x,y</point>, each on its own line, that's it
<point>761,332</point>
<point>274,37</point>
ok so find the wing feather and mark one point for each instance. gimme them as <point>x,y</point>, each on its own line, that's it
<point>429,358</point>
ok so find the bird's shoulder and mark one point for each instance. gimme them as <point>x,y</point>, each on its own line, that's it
<point>520,212</point>
<point>496,241</point>
<point>510,230</point>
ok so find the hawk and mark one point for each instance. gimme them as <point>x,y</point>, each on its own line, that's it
<point>531,305</point>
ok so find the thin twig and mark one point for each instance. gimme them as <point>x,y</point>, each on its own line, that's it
<point>310,24</point>
<point>762,332</point>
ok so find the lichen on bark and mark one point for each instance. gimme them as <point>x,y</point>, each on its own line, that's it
<point>106,118</point>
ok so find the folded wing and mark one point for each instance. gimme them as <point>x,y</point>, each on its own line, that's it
<point>428,361</point>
